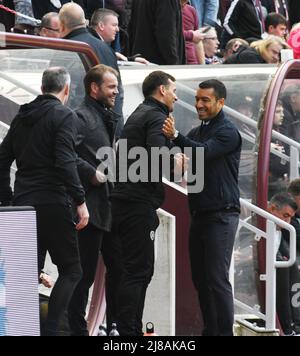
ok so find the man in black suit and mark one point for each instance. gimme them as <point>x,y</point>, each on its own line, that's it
<point>96,129</point>
<point>214,210</point>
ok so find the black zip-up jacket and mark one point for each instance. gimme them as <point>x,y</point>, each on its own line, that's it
<point>95,129</point>
<point>41,140</point>
<point>242,20</point>
<point>143,129</point>
<point>245,55</point>
<point>107,56</point>
<point>222,149</point>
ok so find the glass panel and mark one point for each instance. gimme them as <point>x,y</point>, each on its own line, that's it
<point>283,165</point>
<point>21,74</point>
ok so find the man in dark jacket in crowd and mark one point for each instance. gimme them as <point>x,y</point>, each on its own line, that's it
<point>41,140</point>
<point>134,202</point>
<point>156,31</point>
<point>73,27</point>
<point>214,211</point>
<point>244,19</point>
<point>96,129</point>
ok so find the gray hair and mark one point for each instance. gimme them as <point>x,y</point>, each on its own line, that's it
<point>100,15</point>
<point>54,80</point>
<point>46,20</point>
<point>281,200</point>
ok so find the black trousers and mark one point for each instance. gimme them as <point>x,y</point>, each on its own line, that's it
<point>288,313</point>
<point>112,256</point>
<point>56,233</point>
<point>135,224</point>
<point>90,240</point>
<point>211,245</point>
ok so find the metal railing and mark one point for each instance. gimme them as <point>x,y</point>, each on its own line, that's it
<point>270,234</point>
<point>272,264</point>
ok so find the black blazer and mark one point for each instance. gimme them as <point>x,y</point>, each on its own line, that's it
<point>95,129</point>
<point>222,143</point>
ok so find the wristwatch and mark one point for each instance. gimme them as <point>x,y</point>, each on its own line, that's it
<point>175,134</point>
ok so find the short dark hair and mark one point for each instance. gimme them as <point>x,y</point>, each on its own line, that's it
<point>218,87</point>
<point>54,80</point>
<point>283,199</point>
<point>96,74</point>
<point>274,19</point>
<point>100,15</point>
<point>154,80</point>
<point>294,187</point>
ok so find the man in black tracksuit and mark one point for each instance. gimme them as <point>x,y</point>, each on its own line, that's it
<point>95,128</point>
<point>41,140</point>
<point>243,20</point>
<point>134,204</point>
<point>214,211</point>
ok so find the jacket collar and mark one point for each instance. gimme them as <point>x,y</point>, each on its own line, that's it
<point>76,32</point>
<point>107,113</point>
<point>153,102</point>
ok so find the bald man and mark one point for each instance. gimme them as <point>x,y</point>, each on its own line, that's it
<point>73,27</point>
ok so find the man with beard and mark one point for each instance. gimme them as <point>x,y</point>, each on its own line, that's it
<point>96,129</point>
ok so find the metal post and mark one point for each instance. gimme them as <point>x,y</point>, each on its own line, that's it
<point>294,163</point>
<point>271,276</point>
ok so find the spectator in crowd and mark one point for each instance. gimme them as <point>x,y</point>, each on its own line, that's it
<point>73,27</point>
<point>105,26</point>
<point>134,204</point>
<point>244,20</point>
<point>215,210</point>
<point>96,129</point>
<point>41,140</point>
<point>294,40</point>
<point>291,105</point>
<point>42,7</point>
<point>279,168</point>
<point>223,8</point>
<point>284,207</point>
<point>294,12</point>
<point>207,11</point>
<point>263,51</point>
<point>50,25</point>
<point>193,36</point>
<point>277,6</point>
<point>294,190</point>
<point>233,46</point>
<point>156,31</point>
<point>211,46</point>
<point>275,25</point>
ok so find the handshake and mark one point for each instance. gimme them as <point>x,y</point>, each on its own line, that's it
<point>180,159</point>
